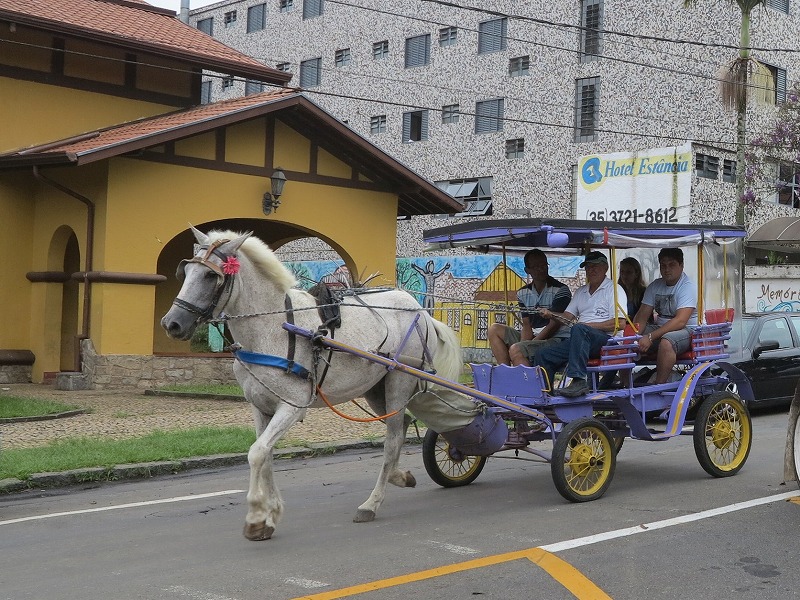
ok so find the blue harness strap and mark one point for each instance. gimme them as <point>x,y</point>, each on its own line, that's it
<point>270,360</point>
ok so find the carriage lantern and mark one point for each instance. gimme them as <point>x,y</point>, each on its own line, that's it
<point>271,202</point>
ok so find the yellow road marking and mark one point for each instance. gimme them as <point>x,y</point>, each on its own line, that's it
<point>564,573</point>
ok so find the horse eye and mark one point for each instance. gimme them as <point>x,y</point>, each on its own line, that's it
<point>211,275</point>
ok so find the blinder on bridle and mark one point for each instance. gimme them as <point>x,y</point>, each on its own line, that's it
<point>224,281</point>
<point>180,273</point>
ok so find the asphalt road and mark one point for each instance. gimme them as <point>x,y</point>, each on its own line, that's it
<point>665,529</point>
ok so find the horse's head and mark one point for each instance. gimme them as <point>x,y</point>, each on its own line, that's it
<point>206,278</point>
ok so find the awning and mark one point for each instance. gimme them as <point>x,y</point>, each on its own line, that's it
<point>781,234</point>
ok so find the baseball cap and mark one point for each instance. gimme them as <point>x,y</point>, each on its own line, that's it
<point>595,258</point>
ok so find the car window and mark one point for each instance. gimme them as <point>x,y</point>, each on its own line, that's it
<point>740,334</point>
<point>796,324</point>
<point>776,330</point>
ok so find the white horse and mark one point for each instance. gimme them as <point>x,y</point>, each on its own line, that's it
<point>241,275</point>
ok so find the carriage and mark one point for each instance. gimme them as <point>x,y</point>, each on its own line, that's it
<point>391,352</point>
<point>587,432</point>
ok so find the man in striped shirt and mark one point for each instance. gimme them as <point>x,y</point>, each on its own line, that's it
<point>514,347</point>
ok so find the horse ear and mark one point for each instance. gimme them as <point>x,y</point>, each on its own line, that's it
<point>232,246</point>
<point>201,237</point>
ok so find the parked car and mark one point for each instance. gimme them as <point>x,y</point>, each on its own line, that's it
<point>769,356</point>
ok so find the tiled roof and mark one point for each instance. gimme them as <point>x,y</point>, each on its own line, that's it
<point>141,133</point>
<point>416,194</point>
<point>137,25</point>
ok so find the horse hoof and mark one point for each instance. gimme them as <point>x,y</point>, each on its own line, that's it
<point>364,516</point>
<point>410,480</point>
<point>258,532</point>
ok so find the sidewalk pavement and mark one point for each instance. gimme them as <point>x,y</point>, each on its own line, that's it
<point>120,414</point>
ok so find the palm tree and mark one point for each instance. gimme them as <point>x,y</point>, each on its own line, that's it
<point>734,89</point>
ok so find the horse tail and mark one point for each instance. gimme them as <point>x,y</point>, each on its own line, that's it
<point>447,359</point>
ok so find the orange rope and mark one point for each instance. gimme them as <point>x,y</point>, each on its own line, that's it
<point>348,417</point>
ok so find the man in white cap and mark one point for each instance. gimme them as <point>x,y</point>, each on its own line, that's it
<point>593,310</point>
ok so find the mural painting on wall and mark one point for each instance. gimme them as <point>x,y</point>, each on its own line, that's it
<point>767,295</point>
<point>469,293</point>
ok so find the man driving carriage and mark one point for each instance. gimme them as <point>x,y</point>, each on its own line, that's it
<point>510,346</point>
<point>593,309</point>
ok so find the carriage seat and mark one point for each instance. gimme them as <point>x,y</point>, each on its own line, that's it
<point>708,343</point>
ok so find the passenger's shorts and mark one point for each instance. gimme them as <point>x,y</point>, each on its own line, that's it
<point>681,339</point>
<point>529,347</point>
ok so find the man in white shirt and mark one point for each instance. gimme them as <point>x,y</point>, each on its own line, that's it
<point>593,308</point>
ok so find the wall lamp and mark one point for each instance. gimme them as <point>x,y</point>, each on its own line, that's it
<point>270,201</point>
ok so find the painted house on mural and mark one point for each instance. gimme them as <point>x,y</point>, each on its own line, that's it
<point>106,155</point>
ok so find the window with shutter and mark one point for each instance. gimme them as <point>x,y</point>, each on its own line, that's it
<point>418,51</point>
<point>206,25</point>
<point>492,35</point>
<point>475,194</point>
<point>729,171</point>
<point>205,92</point>
<point>256,17</point>
<point>415,126</point>
<point>312,8</point>
<point>587,108</point>
<point>489,116</point>
<point>591,36</point>
<point>706,166</point>
<point>779,82</point>
<point>253,87</point>
<point>779,5</point>
<point>311,73</point>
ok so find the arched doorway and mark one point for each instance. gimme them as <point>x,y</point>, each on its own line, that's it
<point>274,234</point>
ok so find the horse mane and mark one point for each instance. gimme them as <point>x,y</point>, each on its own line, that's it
<point>262,258</point>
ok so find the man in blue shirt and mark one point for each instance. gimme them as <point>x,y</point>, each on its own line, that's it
<point>673,299</point>
<point>510,346</point>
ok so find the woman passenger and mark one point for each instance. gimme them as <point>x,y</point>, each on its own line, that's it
<point>631,280</point>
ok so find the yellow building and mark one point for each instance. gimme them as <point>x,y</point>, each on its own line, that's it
<point>106,156</point>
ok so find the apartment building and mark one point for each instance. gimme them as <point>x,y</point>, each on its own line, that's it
<point>497,102</point>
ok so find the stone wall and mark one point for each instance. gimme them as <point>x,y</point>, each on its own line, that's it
<point>15,374</point>
<point>148,372</point>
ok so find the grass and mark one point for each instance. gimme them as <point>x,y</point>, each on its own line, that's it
<point>221,389</point>
<point>81,452</point>
<point>14,407</point>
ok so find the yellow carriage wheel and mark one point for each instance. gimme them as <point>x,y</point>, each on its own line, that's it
<point>446,465</point>
<point>584,459</point>
<point>723,434</point>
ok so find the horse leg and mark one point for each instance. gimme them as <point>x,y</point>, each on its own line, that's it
<point>391,394</point>
<point>265,505</point>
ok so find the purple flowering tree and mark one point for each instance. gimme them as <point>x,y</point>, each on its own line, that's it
<point>781,143</point>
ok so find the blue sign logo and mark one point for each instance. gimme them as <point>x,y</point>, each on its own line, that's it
<point>591,171</point>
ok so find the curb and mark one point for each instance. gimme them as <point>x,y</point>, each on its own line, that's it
<point>203,395</point>
<point>171,467</point>
<point>69,413</point>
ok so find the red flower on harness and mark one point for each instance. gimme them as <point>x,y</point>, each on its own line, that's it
<point>231,266</point>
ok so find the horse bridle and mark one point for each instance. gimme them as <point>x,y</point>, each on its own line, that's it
<point>224,280</point>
